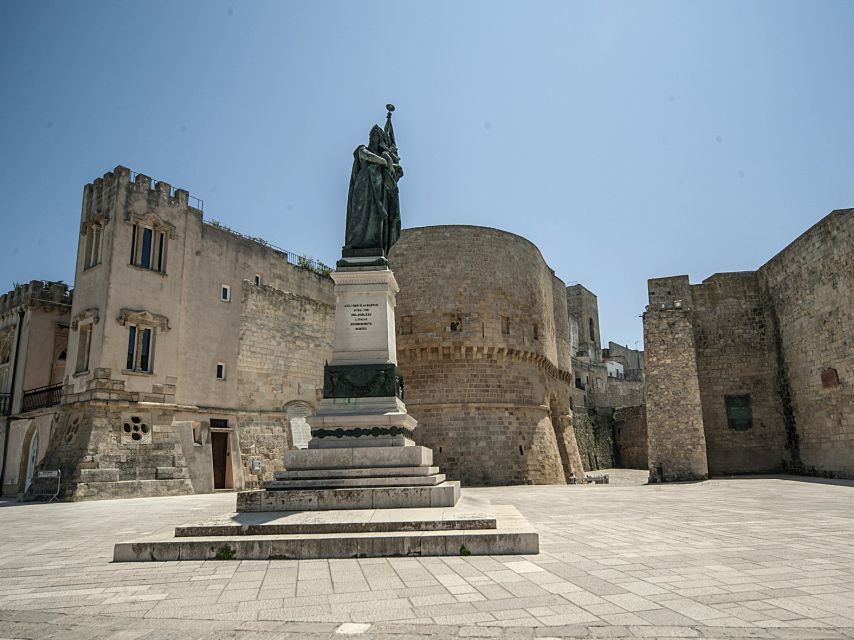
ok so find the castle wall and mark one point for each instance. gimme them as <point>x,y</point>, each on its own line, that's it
<point>620,392</point>
<point>480,337</point>
<point>772,355</point>
<point>285,339</point>
<point>676,441</point>
<point>735,357</point>
<point>810,288</point>
<point>630,437</point>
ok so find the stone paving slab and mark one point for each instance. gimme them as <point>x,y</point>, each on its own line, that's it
<point>769,558</point>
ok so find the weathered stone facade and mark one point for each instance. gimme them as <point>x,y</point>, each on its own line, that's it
<point>285,338</point>
<point>630,437</point>
<point>191,344</point>
<point>677,447</point>
<point>483,342</point>
<point>766,357</point>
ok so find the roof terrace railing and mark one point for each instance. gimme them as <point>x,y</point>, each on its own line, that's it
<point>295,259</point>
<point>41,397</point>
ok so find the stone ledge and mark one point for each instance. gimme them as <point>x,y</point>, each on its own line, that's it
<point>334,483</point>
<point>442,495</point>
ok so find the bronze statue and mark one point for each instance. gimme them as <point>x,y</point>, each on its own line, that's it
<point>373,203</point>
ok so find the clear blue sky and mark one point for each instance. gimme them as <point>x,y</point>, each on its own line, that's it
<point>627,140</point>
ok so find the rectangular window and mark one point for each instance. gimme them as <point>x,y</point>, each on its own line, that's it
<point>739,412</point>
<point>140,349</point>
<point>145,250</point>
<point>161,247</point>
<point>505,326</point>
<point>131,361</point>
<point>225,294</point>
<point>92,254</point>
<point>148,248</point>
<point>536,331</point>
<point>220,371</point>
<point>83,341</point>
<point>257,280</point>
<point>145,350</point>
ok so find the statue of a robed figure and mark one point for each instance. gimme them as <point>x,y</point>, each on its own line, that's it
<point>373,203</point>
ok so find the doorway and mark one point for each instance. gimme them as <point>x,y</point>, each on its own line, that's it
<point>219,454</point>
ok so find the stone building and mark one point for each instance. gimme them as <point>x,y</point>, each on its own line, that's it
<point>484,345</point>
<point>751,372</point>
<point>34,321</point>
<point>195,352</point>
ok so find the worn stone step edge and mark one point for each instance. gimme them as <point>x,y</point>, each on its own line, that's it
<point>442,495</point>
<point>368,472</point>
<point>211,530</point>
<point>355,545</point>
<point>355,483</point>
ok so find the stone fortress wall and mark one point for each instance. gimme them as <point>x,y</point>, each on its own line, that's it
<point>483,342</point>
<point>751,372</point>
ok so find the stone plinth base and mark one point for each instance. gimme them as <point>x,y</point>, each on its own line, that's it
<point>373,477</point>
<point>468,529</point>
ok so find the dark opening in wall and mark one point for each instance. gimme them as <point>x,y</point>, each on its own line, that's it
<point>456,323</point>
<point>739,412</point>
<point>521,453</point>
<point>829,378</point>
<point>536,331</point>
<point>590,327</point>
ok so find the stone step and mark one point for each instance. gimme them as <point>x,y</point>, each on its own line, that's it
<point>512,535</point>
<point>364,521</point>
<point>368,472</point>
<point>334,483</point>
<point>362,457</point>
<point>441,495</point>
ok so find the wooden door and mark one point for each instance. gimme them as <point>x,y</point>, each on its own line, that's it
<point>219,453</point>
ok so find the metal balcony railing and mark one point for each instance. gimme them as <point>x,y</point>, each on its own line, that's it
<point>41,397</point>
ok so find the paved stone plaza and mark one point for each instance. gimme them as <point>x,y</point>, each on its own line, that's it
<point>757,557</point>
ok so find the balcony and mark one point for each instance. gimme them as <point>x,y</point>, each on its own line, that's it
<point>41,397</point>
<point>5,404</point>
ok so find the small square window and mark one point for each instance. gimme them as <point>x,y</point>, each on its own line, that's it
<point>225,295</point>
<point>220,371</point>
<point>257,279</point>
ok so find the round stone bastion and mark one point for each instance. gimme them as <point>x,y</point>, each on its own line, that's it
<point>483,343</point>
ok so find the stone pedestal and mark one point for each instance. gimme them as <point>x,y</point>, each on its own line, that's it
<point>361,454</point>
